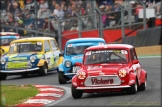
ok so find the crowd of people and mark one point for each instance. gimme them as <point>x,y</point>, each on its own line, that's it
<point>40,15</point>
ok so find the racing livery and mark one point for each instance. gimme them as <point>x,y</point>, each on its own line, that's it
<point>5,39</point>
<point>73,52</point>
<point>30,55</point>
<point>106,68</point>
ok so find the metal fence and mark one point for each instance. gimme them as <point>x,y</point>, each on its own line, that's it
<point>90,22</point>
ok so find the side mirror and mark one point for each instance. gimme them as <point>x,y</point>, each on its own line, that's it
<point>61,54</point>
<point>135,62</point>
<point>78,64</point>
<point>47,50</point>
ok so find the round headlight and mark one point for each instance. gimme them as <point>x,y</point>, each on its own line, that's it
<point>32,58</point>
<point>81,75</point>
<point>122,73</point>
<point>68,64</point>
<point>3,61</point>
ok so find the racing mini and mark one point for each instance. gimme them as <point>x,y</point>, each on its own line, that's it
<point>108,68</point>
<point>73,52</point>
<point>30,55</point>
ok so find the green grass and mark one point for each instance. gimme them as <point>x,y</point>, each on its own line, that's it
<point>15,94</point>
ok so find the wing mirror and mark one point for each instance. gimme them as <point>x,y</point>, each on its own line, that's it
<point>61,54</point>
<point>135,62</point>
<point>78,64</point>
<point>47,50</point>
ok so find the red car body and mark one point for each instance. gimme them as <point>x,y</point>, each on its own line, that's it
<point>120,70</point>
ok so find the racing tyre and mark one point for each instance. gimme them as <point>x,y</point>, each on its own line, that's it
<point>43,70</point>
<point>142,86</point>
<point>61,78</point>
<point>132,89</point>
<point>3,76</point>
<point>24,75</point>
<point>76,94</point>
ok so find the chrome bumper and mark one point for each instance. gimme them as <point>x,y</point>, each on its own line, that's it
<point>18,71</point>
<point>108,87</point>
<point>70,74</point>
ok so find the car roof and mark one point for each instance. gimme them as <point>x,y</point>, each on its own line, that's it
<point>86,40</point>
<point>9,34</point>
<point>114,46</point>
<point>34,39</point>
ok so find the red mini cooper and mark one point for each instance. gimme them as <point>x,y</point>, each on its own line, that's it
<point>107,68</point>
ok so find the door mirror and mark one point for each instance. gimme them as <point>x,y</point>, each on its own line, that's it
<point>62,53</point>
<point>78,64</point>
<point>47,50</point>
<point>135,62</point>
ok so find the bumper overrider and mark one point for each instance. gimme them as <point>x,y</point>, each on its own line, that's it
<point>19,71</point>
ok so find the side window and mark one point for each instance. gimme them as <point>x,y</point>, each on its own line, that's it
<point>133,55</point>
<point>54,46</point>
<point>46,45</point>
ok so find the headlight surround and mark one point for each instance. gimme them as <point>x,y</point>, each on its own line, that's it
<point>81,75</point>
<point>68,64</point>
<point>3,61</point>
<point>122,73</point>
<point>32,59</point>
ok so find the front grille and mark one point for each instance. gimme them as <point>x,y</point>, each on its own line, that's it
<point>18,65</point>
<point>102,80</point>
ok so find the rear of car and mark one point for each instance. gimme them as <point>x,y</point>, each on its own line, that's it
<point>5,39</point>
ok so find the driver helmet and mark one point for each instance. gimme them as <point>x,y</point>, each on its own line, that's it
<point>77,49</point>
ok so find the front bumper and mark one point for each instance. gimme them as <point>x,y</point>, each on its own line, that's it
<point>18,71</point>
<point>107,87</point>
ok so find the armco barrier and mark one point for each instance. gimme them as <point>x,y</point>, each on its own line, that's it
<point>149,37</point>
<point>129,40</point>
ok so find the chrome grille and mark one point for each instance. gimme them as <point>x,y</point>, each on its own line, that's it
<point>102,80</point>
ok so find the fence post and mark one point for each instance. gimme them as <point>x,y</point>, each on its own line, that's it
<point>59,35</point>
<point>122,21</point>
<point>144,13</point>
<point>79,25</point>
<point>36,11</point>
<point>93,17</point>
<point>100,23</point>
<point>129,13</point>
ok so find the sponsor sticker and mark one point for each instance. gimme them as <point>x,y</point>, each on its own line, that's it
<point>124,52</point>
<point>94,67</point>
<point>100,43</point>
<point>88,53</point>
<point>39,43</point>
<point>69,45</point>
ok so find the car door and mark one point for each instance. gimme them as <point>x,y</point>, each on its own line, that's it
<point>48,53</point>
<point>137,67</point>
<point>55,53</point>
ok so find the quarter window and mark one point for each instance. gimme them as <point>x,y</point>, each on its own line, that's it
<point>46,45</point>
<point>54,47</point>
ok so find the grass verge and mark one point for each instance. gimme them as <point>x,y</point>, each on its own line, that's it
<point>15,94</point>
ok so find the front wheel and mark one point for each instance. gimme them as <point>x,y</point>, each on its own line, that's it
<point>43,70</point>
<point>3,76</point>
<point>142,86</point>
<point>132,89</point>
<point>76,94</point>
<point>61,78</point>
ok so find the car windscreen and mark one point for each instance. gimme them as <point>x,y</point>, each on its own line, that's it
<point>23,47</point>
<point>106,56</point>
<point>6,41</point>
<point>78,48</point>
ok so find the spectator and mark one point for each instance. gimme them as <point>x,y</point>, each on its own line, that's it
<point>28,21</point>
<point>38,24</point>
<point>43,8</point>
<point>52,7</point>
<point>58,12</point>
<point>138,7</point>
<point>46,28</point>
<point>3,5</point>
<point>10,22</point>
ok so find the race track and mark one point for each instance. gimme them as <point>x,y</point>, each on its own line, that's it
<point>151,96</point>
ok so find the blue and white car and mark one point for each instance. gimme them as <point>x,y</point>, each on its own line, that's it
<point>73,53</point>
